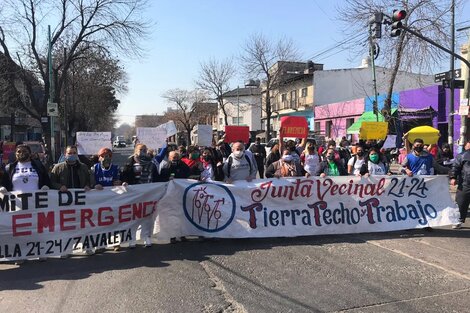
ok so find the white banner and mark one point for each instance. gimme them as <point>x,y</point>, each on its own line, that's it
<point>89,143</point>
<point>152,137</point>
<point>305,206</point>
<point>52,223</point>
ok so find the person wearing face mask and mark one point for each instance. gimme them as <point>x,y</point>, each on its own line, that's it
<point>419,161</point>
<point>71,173</point>
<point>374,164</point>
<point>285,167</point>
<point>330,166</point>
<point>173,168</point>
<point>194,162</point>
<point>355,163</point>
<point>208,165</point>
<point>105,173</point>
<point>25,174</point>
<point>137,167</point>
<point>239,166</point>
<point>259,152</point>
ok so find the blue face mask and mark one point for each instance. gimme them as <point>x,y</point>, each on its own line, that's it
<point>71,158</point>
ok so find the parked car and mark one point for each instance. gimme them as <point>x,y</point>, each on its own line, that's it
<point>119,143</point>
<point>38,148</point>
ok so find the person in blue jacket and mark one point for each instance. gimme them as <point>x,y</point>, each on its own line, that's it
<point>105,173</point>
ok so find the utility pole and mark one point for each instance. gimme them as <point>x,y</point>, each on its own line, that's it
<point>450,129</point>
<point>238,105</point>
<point>466,95</point>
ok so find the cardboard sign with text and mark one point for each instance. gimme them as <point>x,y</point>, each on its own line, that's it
<point>373,130</point>
<point>294,126</point>
<point>235,133</point>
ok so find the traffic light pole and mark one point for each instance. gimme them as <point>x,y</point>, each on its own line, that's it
<point>374,77</point>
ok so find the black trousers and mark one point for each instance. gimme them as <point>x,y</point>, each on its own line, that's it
<point>260,164</point>
<point>463,201</point>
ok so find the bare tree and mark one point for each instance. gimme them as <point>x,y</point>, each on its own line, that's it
<point>258,60</point>
<point>80,25</point>
<point>182,112</point>
<point>406,52</point>
<point>214,77</point>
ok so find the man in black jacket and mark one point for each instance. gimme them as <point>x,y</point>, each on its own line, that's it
<point>259,151</point>
<point>460,175</point>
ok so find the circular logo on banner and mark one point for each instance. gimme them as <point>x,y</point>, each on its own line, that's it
<point>209,207</point>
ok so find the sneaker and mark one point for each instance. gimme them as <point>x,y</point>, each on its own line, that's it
<point>457,226</point>
<point>117,248</point>
<point>147,242</point>
<point>89,252</point>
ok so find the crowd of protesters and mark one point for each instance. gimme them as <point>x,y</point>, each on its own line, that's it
<point>228,163</point>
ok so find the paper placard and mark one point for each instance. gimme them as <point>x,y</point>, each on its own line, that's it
<point>373,130</point>
<point>390,142</point>
<point>89,143</point>
<point>201,135</point>
<point>152,137</point>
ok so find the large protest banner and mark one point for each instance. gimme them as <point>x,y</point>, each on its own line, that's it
<point>52,223</point>
<point>305,206</point>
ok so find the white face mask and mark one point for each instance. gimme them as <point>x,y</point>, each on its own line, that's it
<point>238,154</point>
<point>287,158</point>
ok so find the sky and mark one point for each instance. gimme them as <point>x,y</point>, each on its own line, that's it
<point>189,32</point>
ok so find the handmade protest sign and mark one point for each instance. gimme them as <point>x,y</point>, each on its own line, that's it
<point>373,130</point>
<point>53,223</point>
<point>293,126</point>
<point>89,143</point>
<point>235,133</point>
<point>152,137</point>
<point>305,206</point>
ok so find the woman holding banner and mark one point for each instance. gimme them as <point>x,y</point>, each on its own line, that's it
<point>138,171</point>
<point>285,167</point>
<point>331,166</point>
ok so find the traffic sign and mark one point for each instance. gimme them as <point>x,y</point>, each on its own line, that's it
<point>52,109</point>
<point>458,84</point>
<point>447,75</point>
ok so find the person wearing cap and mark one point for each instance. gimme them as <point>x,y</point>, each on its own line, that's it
<point>105,173</point>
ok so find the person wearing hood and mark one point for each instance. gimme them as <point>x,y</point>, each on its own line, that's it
<point>285,167</point>
<point>71,173</point>
<point>137,167</point>
<point>239,166</point>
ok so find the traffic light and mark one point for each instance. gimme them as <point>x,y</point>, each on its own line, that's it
<point>375,22</point>
<point>397,17</point>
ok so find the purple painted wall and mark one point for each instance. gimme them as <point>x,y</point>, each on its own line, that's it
<point>438,98</point>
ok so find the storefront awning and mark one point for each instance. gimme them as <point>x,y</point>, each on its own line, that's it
<point>368,116</point>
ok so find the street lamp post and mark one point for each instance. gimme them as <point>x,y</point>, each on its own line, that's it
<point>238,105</point>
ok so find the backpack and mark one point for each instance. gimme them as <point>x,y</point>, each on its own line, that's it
<point>230,161</point>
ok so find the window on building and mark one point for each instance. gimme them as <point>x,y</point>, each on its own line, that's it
<point>283,97</point>
<point>349,122</point>
<point>317,126</point>
<point>304,92</point>
<point>221,121</point>
<point>293,99</point>
<point>237,120</point>
<point>328,128</point>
